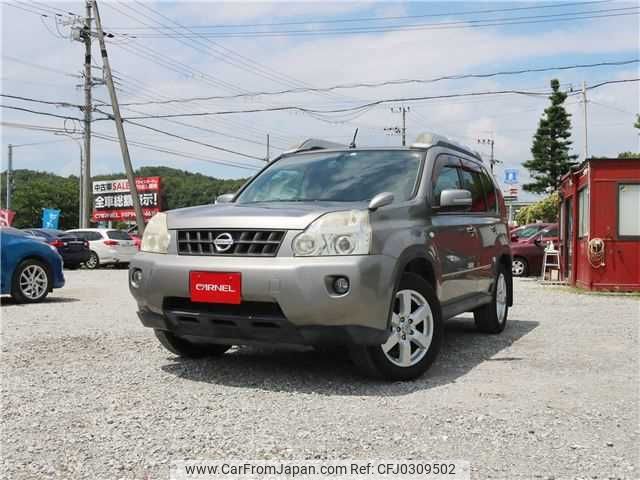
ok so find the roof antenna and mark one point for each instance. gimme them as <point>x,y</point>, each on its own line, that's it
<point>353,142</point>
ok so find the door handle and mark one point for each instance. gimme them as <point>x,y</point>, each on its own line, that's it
<point>471,230</point>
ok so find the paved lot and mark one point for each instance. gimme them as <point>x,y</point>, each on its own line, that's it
<point>89,393</point>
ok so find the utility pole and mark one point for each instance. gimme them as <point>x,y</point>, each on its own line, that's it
<point>489,141</point>
<point>403,130</point>
<point>9,167</point>
<point>118,119</point>
<point>586,138</point>
<point>87,188</point>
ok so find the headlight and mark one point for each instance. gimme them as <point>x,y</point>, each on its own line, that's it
<point>156,235</point>
<point>339,233</point>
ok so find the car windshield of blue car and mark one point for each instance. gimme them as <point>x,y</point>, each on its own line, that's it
<point>345,176</point>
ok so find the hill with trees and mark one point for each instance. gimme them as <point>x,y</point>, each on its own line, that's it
<point>32,191</point>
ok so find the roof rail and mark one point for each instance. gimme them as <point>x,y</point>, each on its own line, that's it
<point>315,144</point>
<point>428,139</point>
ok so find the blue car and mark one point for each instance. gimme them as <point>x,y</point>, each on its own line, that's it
<point>29,268</point>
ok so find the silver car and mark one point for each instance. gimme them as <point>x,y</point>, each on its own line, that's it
<point>372,248</point>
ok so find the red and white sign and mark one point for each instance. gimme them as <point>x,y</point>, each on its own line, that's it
<point>112,199</point>
<point>6,217</point>
<point>215,287</point>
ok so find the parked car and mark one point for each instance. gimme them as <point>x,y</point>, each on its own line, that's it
<point>527,254</point>
<point>29,268</point>
<point>526,231</point>
<point>371,248</point>
<point>73,250</point>
<point>107,246</point>
<point>133,233</point>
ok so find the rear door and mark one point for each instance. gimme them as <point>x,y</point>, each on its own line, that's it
<point>454,237</point>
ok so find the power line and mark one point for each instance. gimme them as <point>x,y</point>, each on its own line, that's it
<point>392,82</point>
<point>382,18</point>
<point>64,117</point>
<point>35,65</point>
<point>374,103</point>
<point>47,102</point>
<point>569,16</point>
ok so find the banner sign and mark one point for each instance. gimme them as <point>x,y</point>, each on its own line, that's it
<point>50,218</point>
<point>112,199</point>
<point>6,217</point>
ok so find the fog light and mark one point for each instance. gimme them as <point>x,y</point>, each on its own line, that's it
<point>136,278</point>
<point>341,285</point>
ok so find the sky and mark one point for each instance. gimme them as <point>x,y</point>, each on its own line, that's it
<point>247,47</point>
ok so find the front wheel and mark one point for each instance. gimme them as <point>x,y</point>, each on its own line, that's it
<point>184,348</point>
<point>415,334</point>
<point>30,282</point>
<point>492,318</point>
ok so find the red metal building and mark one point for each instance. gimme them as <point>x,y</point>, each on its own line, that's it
<point>600,225</point>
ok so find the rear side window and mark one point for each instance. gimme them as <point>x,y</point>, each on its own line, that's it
<point>472,181</point>
<point>118,235</point>
<point>550,232</point>
<point>489,191</point>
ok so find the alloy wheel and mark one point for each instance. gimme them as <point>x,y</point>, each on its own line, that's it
<point>411,329</point>
<point>517,267</point>
<point>33,282</point>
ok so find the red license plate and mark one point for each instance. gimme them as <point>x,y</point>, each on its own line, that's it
<point>215,287</point>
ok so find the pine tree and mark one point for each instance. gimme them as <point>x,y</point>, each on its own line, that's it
<point>551,144</point>
<point>637,124</point>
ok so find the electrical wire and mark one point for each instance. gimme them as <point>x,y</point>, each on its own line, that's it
<point>377,102</point>
<point>382,18</point>
<point>64,117</point>
<point>395,82</point>
<point>47,102</point>
<point>569,16</point>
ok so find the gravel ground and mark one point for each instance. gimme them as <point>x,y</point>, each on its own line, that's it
<point>87,392</point>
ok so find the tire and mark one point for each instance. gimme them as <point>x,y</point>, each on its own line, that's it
<point>415,338</point>
<point>183,348</point>
<point>492,318</point>
<point>93,261</point>
<point>31,282</point>
<point>519,267</point>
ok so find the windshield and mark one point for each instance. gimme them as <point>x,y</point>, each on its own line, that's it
<point>348,176</point>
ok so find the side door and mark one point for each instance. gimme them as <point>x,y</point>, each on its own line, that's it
<point>453,235</point>
<point>486,220</point>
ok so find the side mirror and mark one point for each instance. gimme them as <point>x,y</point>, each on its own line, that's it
<point>381,200</point>
<point>514,238</point>
<point>455,198</point>
<point>226,198</point>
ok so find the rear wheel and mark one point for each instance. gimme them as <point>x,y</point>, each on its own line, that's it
<point>184,348</point>
<point>30,282</point>
<point>519,267</point>
<point>492,318</point>
<point>93,261</point>
<point>415,334</point>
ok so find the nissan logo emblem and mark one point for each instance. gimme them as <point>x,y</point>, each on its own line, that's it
<point>223,242</point>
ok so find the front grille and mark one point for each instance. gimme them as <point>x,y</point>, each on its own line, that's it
<point>257,243</point>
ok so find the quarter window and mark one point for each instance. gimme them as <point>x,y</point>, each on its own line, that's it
<point>628,211</point>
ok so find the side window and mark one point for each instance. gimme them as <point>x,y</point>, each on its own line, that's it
<point>471,180</point>
<point>80,235</point>
<point>551,232</point>
<point>583,212</point>
<point>95,236</point>
<point>446,179</point>
<point>628,201</point>
<point>489,191</point>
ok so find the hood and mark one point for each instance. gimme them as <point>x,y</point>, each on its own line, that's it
<point>268,215</point>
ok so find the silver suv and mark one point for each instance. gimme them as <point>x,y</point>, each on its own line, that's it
<point>372,248</point>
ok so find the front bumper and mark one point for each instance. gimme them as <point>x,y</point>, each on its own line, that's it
<point>284,299</point>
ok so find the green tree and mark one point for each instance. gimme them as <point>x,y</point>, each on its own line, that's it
<point>637,124</point>
<point>551,144</point>
<point>546,210</point>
